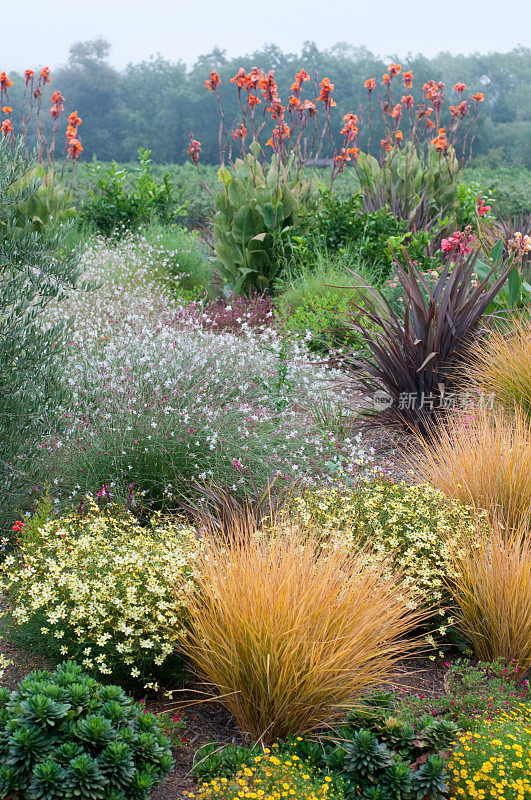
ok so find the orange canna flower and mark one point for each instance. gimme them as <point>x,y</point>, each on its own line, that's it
<point>326,93</point>
<point>240,79</point>
<point>440,142</point>
<point>429,124</point>
<point>294,101</point>
<point>194,149</point>
<point>73,119</point>
<point>460,87</point>
<point>459,110</point>
<point>253,100</point>
<point>7,109</point>
<point>399,136</point>
<point>396,113</point>
<point>386,144</point>
<point>370,85</point>
<point>277,109</point>
<point>28,76</point>
<point>300,77</point>
<point>240,132</point>
<point>394,69</point>
<point>280,133</point>
<point>268,86</point>
<point>386,79</point>
<point>408,79</point>
<point>479,97</point>
<point>6,127</point>
<point>74,149</point>
<point>45,74</point>
<point>407,100</point>
<point>308,106</point>
<point>5,83</point>
<point>213,82</point>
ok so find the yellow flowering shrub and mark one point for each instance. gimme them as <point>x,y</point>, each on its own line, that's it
<point>494,762</point>
<point>417,524</point>
<point>272,776</point>
<point>101,589</point>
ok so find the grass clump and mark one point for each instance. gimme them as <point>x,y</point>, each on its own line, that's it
<point>492,591</point>
<point>481,459</point>
<point>288,634</point>
<point>501,365</point>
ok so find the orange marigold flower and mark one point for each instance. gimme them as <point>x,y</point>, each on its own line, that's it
<point>6,127</point>
<point>5,83</point>
<point>370,85</point>
<point>407,100</point>
<point>45,74</point>
<point>28,75</point>
<point>479,97</point>
<point>326,93</point>
<point>240,132</point>
<point>394,69</point>
<point>399,136</point>
<point>460,87</point>
<point>7,109</point>
<point>213,82</point>
<point>386,79</point>
<point>408,79</point>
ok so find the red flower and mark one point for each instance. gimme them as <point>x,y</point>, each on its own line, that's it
<point>459,242</point>
<point>268,86</point>
<point>6,127</point>
<point>253,100</point>
<point>73,119</point>
<point>45,74</point>
<point>482,208</point>
<point>408,79</point>
<point>370,85</point>
<point>277,109</point>
<point>74,149</point>
<point>5,83</point>
<point>18,525</point>
<point>213,82</point>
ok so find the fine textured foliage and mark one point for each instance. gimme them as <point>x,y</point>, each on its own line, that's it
<point>492,590</point>
<point>501,365</point>
<point>412,360</point>
<point>494,761</point>
<point>63,735</point>
<point>102,589</point>
<point>416,525</point>
<point>483,460</point>
<point>34,269</point>
<point>288,634</point>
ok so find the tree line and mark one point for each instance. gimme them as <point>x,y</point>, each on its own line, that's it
<point>158,103</point>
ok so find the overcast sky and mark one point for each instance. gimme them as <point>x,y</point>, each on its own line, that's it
<point>37,32</point>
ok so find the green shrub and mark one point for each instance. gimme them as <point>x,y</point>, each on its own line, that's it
<point>511,186</point>
<point>112,205</point>
<point>416,524</point>
<point>63,735</point>
<point>35,268</point>
<point>99,588</point>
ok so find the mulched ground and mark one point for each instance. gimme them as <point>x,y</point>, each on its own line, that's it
<point>208,721</point>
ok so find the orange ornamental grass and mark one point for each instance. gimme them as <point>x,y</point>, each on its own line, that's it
<point>501,365</point>
<point>482,458</point>
<point>288,635</point>
<point>492,592</point>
